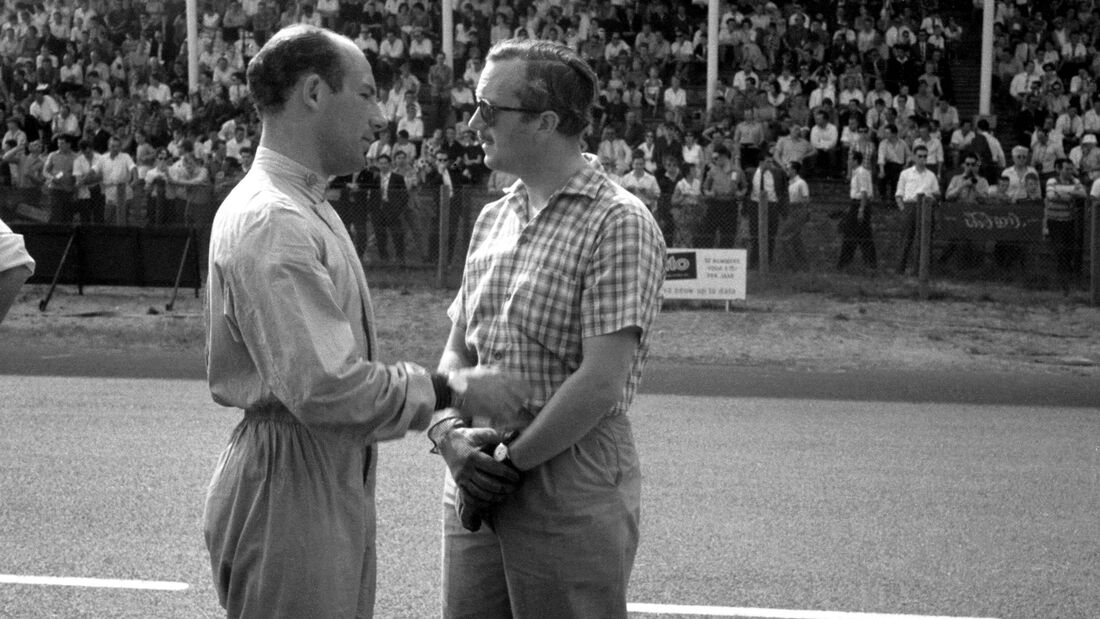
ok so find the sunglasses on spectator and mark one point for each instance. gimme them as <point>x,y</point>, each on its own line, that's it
<point>488,111</point>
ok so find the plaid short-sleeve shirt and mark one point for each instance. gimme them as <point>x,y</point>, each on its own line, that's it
<point>590,263</point>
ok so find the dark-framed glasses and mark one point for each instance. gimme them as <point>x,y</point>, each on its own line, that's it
<point>489,111</point>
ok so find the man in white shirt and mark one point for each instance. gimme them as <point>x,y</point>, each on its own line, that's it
<point>641,183</point>
<point>791,248</point>
<point>825,139</point>
<point>855,228</point>
<point>89,194</point>
<point>157,90</point>
<point>117,173</point>
<point>916,185</point>
<point>932,145</point>
<point>613,152</point>
<point>16,266</point>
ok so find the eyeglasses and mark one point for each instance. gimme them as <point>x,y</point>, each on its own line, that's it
<point>921,156</point>
<point>489,111</point>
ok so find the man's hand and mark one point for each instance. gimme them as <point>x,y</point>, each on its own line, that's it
<point>489,393</point>
<point>483,481</point>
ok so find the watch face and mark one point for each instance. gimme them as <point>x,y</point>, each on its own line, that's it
<point>500,454</point>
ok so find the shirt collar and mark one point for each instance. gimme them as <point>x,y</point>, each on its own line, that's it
<point>585,183</point>
<point>294,176</point>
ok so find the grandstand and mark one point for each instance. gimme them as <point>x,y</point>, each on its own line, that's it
<point>81,71</point>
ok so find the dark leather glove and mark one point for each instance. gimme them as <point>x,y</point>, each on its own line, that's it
<point>483,480</point>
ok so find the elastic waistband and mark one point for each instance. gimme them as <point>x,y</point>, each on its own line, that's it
<point>272,411</point>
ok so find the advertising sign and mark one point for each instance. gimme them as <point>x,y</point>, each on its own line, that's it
<point>702,274</point>
<point>990,221</point>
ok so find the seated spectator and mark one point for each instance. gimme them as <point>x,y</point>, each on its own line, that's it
<point>1044,154</point>
<point>613,152</point>
<point>675,99</point>
<point>1086,158</point>
<point>1071,126</point>
<point>793,147</point>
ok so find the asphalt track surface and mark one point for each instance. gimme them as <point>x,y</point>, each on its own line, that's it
<point>927,493</point>
<point>945,386</point>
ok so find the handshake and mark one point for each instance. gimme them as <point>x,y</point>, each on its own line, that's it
<point>477,457</point>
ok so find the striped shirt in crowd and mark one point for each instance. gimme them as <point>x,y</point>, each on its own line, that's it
<point>590,263</point>
<point>1060,197</point>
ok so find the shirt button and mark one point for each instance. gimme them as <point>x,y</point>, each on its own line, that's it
<point>498,355</point>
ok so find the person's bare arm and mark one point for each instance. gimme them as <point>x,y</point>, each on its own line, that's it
<point>11,281</point>
<point>582,400</point>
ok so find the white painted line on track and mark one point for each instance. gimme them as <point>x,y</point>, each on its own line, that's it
<point>155,585</point>
<point>770,613</point>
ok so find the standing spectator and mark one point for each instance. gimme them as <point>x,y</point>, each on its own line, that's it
<point>89,190</point>
<point>390,210</point>
<point>967,186</point>
<point>989,151</point>
<point>443,174</point>
<point>916,185</point>
<point>1063,193</point>
<point>118,173</point>
<point>768,185</point>
<point>855,226</point>
<point>60,182</point>
<point>722,189</point>
<point>792,249</point>
<point>1016,173</point>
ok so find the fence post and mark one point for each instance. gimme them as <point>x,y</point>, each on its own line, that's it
<point>925,255</point>
<point>444,225</point>
<point>1094,254</point>
<point>762,232</point>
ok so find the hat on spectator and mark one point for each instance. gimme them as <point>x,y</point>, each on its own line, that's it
<point>1088,139</point>
<point>42,88</point>
<point>1019,150</point>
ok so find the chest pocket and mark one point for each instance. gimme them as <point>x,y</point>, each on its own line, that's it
<point>545,307</point>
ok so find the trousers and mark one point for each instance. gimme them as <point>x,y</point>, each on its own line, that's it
<point>289,521</point>
<point>562,546</point>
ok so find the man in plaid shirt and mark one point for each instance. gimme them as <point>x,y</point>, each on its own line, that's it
<point>562,284</point>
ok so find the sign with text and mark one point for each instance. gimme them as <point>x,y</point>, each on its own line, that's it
<point>990,221</point>
<point>717,274</point>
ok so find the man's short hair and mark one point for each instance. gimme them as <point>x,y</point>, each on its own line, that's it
<point>722,151</point>
<point>293,52</point>
<point>920,147</point>
<point>557,80</point>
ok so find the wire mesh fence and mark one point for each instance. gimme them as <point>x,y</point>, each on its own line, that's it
<point>429,228</point>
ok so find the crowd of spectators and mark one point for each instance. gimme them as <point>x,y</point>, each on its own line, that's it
<point>804,83</point>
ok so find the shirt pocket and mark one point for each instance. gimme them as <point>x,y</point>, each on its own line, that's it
<point>545,308</point>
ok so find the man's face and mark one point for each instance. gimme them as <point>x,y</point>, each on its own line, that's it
<point>638,164</point>
<point>114,146</point>
<point>383,165</point>
<point>349,118</point>
<point>508,143</point>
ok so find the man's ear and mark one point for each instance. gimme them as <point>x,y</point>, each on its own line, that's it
<point>548,122</point>
<point>310,90</point>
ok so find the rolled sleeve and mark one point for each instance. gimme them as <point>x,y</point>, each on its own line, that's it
<point>623,280</point>
<point>13,252</point>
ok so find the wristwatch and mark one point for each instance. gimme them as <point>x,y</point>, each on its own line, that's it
<point>500,454</point>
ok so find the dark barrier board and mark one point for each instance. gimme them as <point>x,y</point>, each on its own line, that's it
<point>113,255</point>
<point>990,221</point>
